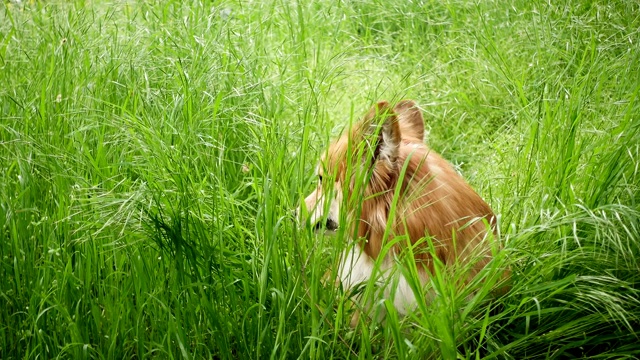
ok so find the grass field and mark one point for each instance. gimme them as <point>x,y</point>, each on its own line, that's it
<point>151,154</point>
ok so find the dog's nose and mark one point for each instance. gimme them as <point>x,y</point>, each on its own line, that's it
<point>332,225</point>
<point>328,225</point>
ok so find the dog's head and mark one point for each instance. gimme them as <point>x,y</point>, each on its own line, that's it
<point>363,163</point>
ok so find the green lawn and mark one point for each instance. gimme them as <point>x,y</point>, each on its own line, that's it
<point>152,152</point>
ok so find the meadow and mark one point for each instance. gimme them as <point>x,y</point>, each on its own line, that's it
<point>152,152</point>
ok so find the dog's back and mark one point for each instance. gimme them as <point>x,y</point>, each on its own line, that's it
<point>434,201</point>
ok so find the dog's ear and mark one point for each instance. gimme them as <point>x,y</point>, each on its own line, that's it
<point>382,120</point>
<point>410,119</point>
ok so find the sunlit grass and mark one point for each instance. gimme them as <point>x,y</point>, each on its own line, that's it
<point>152,154</point>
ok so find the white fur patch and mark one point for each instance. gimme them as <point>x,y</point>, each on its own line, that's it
<point>356,268</point>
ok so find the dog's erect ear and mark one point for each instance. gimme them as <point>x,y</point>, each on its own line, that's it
<point>388,135</point>
<point>410,118</point>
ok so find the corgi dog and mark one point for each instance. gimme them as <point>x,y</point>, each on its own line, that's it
<point>388,192</point>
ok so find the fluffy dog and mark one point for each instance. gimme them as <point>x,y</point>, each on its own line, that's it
<point>383,185</point>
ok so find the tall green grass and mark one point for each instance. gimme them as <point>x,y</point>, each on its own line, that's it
<point>152,153</point>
